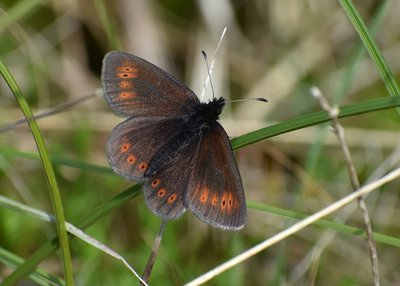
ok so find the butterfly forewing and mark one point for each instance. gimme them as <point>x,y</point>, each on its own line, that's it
<point>215,193</point>
<point>133,86</point>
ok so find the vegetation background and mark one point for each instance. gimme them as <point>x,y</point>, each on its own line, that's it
<point>272,49</point>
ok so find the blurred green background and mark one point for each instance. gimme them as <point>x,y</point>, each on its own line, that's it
<point>272,49</point>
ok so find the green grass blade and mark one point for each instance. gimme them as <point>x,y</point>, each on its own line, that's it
<point>50,247</point>
<point>346,81</point>
<point>303,121</point>
<point>359,53</point>
<point>295,123</point>
<point>108,24</point>
<point>29,265</point>
<point>49,172</point>
<point>20,10</point>
<point>325,223</point>
<point>371,46</point>
<point>59,160</point>
<point>39,276</point>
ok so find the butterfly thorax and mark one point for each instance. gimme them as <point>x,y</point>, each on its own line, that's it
<point>208,113</point>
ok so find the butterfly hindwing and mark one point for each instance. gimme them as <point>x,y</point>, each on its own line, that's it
<point>133,143</point>
<point>215,192</point>
<point>135,87</point>
<point>165,190</point>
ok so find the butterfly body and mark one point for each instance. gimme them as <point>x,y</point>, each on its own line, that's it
<point>201,120</point>
<point>173,143</point>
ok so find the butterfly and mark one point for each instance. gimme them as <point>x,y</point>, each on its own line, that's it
<point>173,143</point>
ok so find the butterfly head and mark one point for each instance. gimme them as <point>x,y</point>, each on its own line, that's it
<point>211,110</point>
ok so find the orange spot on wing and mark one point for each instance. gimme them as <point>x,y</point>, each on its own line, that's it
<point>224,201</point>
<point>126,75</point>
<point>231,201</point>
<point>204,196</point>
<point>214,200</point>
<point>142,166</point>
<point>127,66</point>
<point>155,183</point>
<point>161,193</point>
<point>125,147</point>
<point>124,84</point>
<point>131,159</point>
<point>127,94</point>
<point>126,70</point>
<point>172,198</point>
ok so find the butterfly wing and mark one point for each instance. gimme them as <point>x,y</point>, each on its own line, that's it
<point>215,191</point>
<point>157,104</point>
<point>165,190</point>
<point>133,143</point>
<point>134,87</point>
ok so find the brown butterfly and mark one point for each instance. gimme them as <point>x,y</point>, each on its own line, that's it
<point>173,143</point>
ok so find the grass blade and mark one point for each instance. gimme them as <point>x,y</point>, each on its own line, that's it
<point>49,173</point>
<point>371,46</point>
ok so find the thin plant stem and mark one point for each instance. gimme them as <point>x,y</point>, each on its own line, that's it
<point>154,251</point>
<point>339,132</point>
<point>395,174</point>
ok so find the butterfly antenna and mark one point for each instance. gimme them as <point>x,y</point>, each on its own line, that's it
<point>208,71</point>
<point>154,251</point>
<point>261,99</point>
<point>203,92</point>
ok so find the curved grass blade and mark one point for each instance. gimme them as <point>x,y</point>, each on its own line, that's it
<point>371,46</point>
<point>51,246</point>
<point>303,121</point>
<point>39,276</point>
<point>49,172</point>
